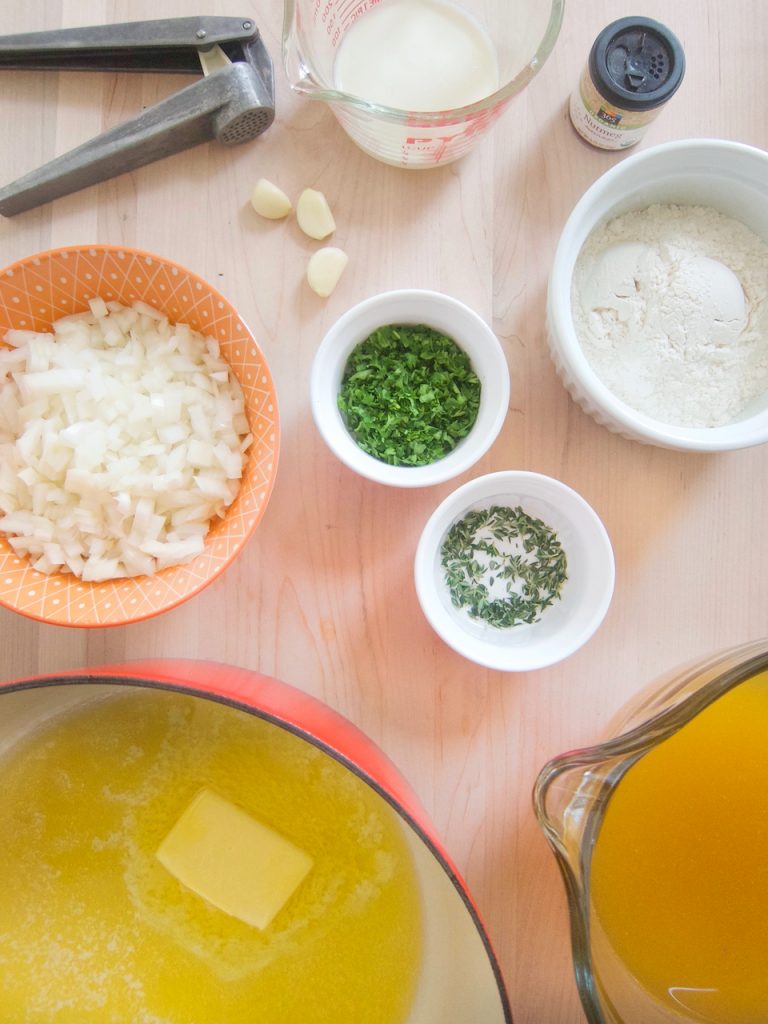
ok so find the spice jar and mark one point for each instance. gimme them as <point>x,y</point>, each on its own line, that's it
<point>635,65</point>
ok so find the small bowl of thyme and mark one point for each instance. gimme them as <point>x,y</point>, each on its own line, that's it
<point>515,571</point>
<point>410,388</point>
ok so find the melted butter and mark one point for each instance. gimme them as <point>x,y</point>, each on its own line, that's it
<point>94,929</point>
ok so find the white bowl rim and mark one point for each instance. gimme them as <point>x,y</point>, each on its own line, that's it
<point>703,439</point>
<point>496,656</point>
<point>494,400</point>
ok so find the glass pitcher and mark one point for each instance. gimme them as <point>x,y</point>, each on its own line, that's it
<point>520,32</point>
<point>573,794</point>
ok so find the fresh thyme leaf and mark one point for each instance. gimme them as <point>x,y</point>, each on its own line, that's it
<point>503,566</point>
<point>408,395</point>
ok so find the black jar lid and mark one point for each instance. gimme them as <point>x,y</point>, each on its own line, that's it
<point>636,63</point>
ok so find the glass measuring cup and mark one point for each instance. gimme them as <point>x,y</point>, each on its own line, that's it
<point>522,33</point>
<point>571,796</point>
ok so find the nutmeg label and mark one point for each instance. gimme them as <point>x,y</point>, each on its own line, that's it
<point>601,124</point>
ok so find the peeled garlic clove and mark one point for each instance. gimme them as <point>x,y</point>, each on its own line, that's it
<point>314,214</point>
<point>270,201</point>
<point>324,269</point>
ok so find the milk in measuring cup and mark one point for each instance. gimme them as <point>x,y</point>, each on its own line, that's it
<point>418,55</point>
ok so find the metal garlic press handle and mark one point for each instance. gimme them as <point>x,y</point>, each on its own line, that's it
<point>169,45</point>
<point>234,103</point>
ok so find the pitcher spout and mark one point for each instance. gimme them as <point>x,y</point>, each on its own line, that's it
<point>296,68</point>
<point>566,793</point>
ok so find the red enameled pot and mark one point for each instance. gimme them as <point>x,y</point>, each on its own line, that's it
<point>460,981</point>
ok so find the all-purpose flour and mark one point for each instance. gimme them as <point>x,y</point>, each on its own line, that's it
<point>670,305</point>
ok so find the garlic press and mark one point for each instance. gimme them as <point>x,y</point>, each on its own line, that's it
<point>232,103</point>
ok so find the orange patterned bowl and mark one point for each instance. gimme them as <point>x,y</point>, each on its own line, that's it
<point>40,289</point>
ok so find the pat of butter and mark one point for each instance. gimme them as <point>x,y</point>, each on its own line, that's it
<point>233,861</point>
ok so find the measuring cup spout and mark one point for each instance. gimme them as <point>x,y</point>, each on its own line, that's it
<point>300,75</point>
<point>563,796</point>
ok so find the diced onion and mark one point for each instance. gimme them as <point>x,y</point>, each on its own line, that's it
<point>122,436</point>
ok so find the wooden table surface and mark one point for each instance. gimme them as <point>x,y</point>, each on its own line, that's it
<point>323,595</point>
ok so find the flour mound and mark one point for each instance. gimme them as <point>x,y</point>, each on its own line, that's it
<point>670,305</point>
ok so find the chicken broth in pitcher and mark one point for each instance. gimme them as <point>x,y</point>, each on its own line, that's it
<point>679,872</point>
<point>94,927</point>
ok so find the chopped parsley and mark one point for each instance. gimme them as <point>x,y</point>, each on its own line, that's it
<point>408,395</point>
<point>503,566</point>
